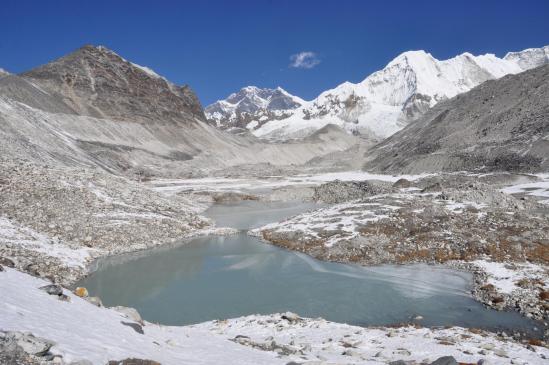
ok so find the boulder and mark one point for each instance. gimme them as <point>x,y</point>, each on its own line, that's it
<point>445,360</point>
<point>402,184</point>
<point>31,345</point>
<point>7,262</point>
<point>95,301</point>
<point>130,313</point>
<point>133,362</point>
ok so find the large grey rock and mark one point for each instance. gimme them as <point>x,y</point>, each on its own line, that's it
<point>445,360</point>
<point>27,342</point>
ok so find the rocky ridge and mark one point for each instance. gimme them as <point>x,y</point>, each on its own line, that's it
<point>97,82</point>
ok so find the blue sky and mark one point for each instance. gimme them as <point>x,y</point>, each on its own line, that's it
<point>218,47</point>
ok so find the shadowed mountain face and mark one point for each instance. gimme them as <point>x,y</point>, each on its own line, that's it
<point>97,82</point>
<point>501,125</point>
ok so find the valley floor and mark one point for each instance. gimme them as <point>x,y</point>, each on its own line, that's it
<point>54,223</point>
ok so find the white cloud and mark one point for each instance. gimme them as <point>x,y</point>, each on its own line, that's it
<point>304,60</point>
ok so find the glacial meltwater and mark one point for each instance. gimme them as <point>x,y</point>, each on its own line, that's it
<point>216,277</point>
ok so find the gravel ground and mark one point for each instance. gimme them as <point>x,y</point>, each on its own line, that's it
<point>54,222</point>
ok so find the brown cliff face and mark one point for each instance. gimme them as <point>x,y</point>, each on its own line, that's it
<point>97,82</point>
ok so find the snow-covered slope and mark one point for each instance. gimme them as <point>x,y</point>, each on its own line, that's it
<point>82,332</point>
<point>3,72</point>
<point>252,103</point>
<point>388,99</point>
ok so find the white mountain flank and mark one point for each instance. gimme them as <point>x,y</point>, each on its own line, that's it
<point>378,106</point>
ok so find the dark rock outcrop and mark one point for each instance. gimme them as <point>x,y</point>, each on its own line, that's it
<point>95,81</point>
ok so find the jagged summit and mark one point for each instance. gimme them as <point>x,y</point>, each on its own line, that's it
<point>96,81</point>
<point>529,58</point>
<point>411,58</point>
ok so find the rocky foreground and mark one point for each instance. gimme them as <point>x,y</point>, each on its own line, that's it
<point>54,222</point>
<point>45,324</point>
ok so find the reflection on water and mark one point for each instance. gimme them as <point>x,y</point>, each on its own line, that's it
<point>222,277</point>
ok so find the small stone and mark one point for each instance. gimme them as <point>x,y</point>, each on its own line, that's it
<point>1,268</point>
<point>291,317</point>
<point>136,327</point>
<point>403,352</point>
<point>351,352</point>
<point>52,289</point>
<point>64,298</point>
<point>81,292</point>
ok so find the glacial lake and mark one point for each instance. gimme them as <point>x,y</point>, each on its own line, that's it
<point>216,277</point>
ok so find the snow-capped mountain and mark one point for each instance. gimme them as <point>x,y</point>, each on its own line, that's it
<point>3,72</point>
<point>251,107</point>
<point>388,99</point>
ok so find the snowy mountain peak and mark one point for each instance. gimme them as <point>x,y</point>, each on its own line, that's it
<point>411,58</point>
<point>3,72</point>
<point>251,101</point>
<point>385,101</point>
